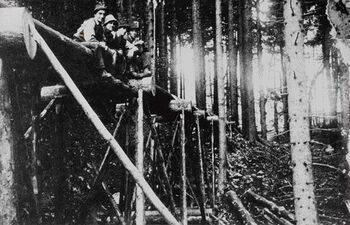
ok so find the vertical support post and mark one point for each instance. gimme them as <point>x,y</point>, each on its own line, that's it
<point>58,165</point>
<point>163,167</point>
<point>212,162</point>
<point>200,158</point>
<point>183,170</point>
<point>140,198</point>
<point>128,188</point>
<point>34,125</point>
<point>8,213</point>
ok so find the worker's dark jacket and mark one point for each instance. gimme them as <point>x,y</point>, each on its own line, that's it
<point>139,63</point>
<point>114,42</point>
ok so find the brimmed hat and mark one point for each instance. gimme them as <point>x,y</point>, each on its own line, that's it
<point>109,18</point>
<point>124,24</point>
<point>99,7</point>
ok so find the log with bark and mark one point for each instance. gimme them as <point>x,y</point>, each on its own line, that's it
<point>278,210</point>
<point>238,206</point>
<point>75,58</point>
<point>275,218</point>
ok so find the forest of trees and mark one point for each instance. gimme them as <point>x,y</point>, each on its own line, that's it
<point>270,70</point>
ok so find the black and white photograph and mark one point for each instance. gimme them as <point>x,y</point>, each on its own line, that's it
<point>178,112</point>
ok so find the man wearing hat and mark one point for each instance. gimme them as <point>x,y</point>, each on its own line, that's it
<point>92,29</point>
<point>132,40</point>
<point>133,33</point>
<point>114,37</point>
<point>116,40</point>
<point>91,34</point>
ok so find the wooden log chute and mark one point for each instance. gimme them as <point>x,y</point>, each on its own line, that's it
<point>68,81</point>
<point>76,59</point>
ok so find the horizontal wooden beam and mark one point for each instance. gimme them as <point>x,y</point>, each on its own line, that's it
<point>178,105</point>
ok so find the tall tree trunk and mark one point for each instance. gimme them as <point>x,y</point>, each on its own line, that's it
<point>221,99</point>
<point>198,56</point>
<point>344,96</point>
<point>173,47</point>
<point>262,94</point>
<point>284,90</point>
<point>8,213</point>
<point>232,55</point>
<point>331,84</point>
<point>150,37</point>
<point>343,72</point>
<point>303,181</point>
<point>251,133</point>
<point>162,68</point>
<point>215,85</point>
<point>345,121</point>
<point>243,90</point>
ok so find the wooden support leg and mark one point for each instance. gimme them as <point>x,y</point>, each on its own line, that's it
<point>127,186</point>
<point>163,167</point>
<point>114,204</point>
<point>139,162</point>
<point>58,165</point>
<point>202,184</point>
<point>111,199</point>
<point>98,178</point>
<point>183,170</point>
<point>212,163</point>
<point>41,115</point>
<point>191,191</point>
<point>34,124</point>
<point>168,162</point>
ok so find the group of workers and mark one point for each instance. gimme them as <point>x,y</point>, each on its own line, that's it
<point>118,51</point>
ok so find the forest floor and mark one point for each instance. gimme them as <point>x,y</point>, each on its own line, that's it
<point>266,170</point>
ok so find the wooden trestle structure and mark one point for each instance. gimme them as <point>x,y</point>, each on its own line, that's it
<point>51,52</point>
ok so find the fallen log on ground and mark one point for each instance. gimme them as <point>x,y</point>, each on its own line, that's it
<point>276,219</point>
<point>237,205</point>
<point>279,210</point>
<point>194,214</point>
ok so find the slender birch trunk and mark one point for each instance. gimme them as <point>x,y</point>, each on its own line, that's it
<point>303,181</point>
<point>221,100</point>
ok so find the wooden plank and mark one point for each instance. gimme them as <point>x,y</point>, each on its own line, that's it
<point>183,170</point>
<point>139,161</point>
